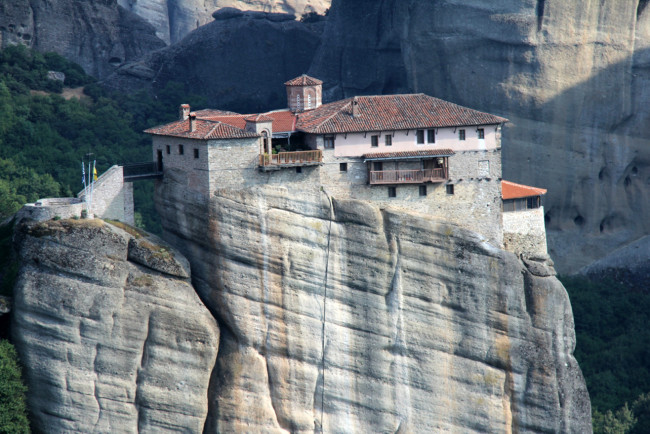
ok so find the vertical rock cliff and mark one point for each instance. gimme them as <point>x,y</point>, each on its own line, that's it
<point>570,76</point>
<point>338,316</point>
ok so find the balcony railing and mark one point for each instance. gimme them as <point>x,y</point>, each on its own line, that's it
<point>139,171</point>
<point>408,176</point>
<point>291,159</point>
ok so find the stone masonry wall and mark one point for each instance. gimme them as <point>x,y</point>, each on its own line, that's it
<point>196,169</point>
<point>524,231</point>
<point>111,198</point>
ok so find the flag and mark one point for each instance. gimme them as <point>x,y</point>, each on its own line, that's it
<point>94,172</point>
<point>83,174</point>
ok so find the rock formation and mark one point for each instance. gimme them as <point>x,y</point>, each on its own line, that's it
<point>333,315</point>
<point>338,316</point>
<point>241,60</point>
<point>98,35</point>
<point>572,77</point>
<point>110,331</point>
<point>173,19</point>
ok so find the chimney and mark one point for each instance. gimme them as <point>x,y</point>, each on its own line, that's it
<point>184,111</point>
<point>355,107</point>
<point>192,117</point>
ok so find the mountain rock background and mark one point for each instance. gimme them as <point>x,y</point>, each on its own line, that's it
<point>173,19</point>
<point>98,35</point>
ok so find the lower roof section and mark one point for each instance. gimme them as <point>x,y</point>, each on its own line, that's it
<point>408,155</point>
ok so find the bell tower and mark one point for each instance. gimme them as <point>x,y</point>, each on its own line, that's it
<point>304,93</point>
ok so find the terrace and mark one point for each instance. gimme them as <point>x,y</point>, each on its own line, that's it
<point>281,160</point>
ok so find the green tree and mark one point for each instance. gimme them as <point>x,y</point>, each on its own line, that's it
<point>620,422</point>
<point>13,410</point>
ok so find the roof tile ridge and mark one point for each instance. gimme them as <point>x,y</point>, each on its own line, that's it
<point>348,102</point>
<point>212,130</point>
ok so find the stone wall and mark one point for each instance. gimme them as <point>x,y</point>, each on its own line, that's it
<point>196,169</point>
<point>112,198</point>
<point>524,231</point>
<point>47,209</point>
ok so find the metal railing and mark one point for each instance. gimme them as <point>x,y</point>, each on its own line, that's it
<point>407,176</point>
<point>291,158</point>
<point>137,171</point>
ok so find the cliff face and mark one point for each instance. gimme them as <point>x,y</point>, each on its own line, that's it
<point>173,19</point>
<point>240,60</point>
<point>111,333</point>
<point>332,315</point>
<point>343,317</point>
<point>571,77</point>
<point>98,35</point>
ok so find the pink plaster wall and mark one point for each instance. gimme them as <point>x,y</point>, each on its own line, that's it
<point>355,145</point>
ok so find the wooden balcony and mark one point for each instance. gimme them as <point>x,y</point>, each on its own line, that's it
<point>407,176</point>
<point>290,159</point>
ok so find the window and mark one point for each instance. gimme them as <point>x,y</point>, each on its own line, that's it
<point>181,151</point>
<point>328,142</point>
<point>423,190</point>
<point>392,192</point>
<point>461,134</point>
<point>196,152</point>
<point>308,100</point>
<point>431,136</point>
<point>450,188</point>
<point>374,141</point>
<point>298,169</point>
<point>420,137</point>
<point>343,167</point>
<point>377,166</point>
<point>169,151</point>
<point>533,202</point>
<point>481,133</point>
<point>388,140</point>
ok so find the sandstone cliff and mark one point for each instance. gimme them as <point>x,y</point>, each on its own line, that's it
<point>339,316</point>
<point>240,60</point>
<point>98,35</point>
<point>571,76</point>
<point>111,333</point>
<point>173,19</point>
<point>332,315</point>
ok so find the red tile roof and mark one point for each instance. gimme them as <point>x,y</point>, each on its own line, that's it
<point>203,130</point>
<point>510,190</point>
<point>258,118</point>
<point>409,154</point>
<point>391,112</point>
<point>303,80</point>
<point>283,120</point>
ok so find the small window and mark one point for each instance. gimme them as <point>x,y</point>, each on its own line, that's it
<point>423,190</point>
<point>481,133</point>
<point>461,134</point>
<point>328,142</point>
<point>309,100</point>
<point>196,152</point>
<point>181,150</point>
<point>298,169</point>
<point>374,141</point>
<point>450,188</point>
<point>420,137</point>
<point>392,192</point>
<point>388,140</point>
<point>533,202</point>
<point>377,166</point>
<point>343,167</point>
<point>169,151</point>
<point>431,136</point>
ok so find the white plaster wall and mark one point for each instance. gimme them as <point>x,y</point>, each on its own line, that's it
<point>524,231</point>
<point>357,144</point>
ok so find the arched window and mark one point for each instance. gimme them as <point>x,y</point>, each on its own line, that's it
<point>309,100</point>
<point>298,101</point>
